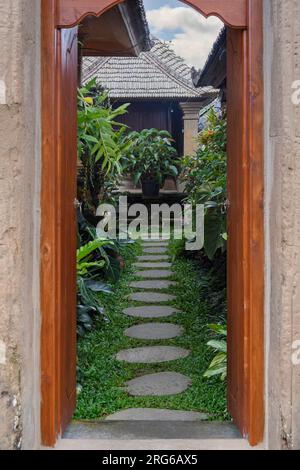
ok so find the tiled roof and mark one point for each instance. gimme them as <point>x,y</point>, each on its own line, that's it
<point>158,73</point>
<point>214,70</point>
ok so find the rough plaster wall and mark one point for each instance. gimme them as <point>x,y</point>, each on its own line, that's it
<point>282,153</point>
<point>19,223</point>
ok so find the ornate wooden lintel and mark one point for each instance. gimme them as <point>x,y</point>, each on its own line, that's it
<point>232,12</point>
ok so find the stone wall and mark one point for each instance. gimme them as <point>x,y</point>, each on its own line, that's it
<point>282,156</point>
<point>19,222</point>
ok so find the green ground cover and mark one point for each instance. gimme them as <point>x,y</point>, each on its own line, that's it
<point>101,376</point>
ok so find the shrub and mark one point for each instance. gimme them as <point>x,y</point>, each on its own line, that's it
<point>204,176</point>
<point>151,156</point>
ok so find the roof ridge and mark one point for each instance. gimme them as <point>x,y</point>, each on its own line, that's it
<point>94,66</point>
<point>168,71</point>
<point>167,46</point>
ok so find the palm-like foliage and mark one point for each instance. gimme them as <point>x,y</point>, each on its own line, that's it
<point>218,365</point>
<point>92,262</point>
<point>101,141</point>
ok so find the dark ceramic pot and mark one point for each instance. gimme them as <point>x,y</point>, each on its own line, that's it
<point>150,188</point>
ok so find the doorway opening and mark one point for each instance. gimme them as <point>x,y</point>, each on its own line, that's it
<point>244,241</point>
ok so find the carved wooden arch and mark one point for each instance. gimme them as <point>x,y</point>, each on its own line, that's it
<point>233,13</point>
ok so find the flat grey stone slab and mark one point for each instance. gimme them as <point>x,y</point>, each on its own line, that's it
<point>158,284</point>
<point>159,384</point>
<point>151,297</point>
<point>155,274</point>
<point>153,414</point>
<point>150,311</point>
<point>149,243</point>
<point>152,354</point>
<point>135,431</point>
<point>153,258</point>
<point>154,331</point>
<point>159,250</point>
<point>150,265</point>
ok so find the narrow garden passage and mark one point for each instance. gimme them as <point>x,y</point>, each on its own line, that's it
<point>152,354</point>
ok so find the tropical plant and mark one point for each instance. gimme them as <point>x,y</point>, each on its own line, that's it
<point>84,264</point>
<point>101,143</point>
<point>204,176</point>
<point>151,156</point>
<point>218,365</point>
<point>91,262</point>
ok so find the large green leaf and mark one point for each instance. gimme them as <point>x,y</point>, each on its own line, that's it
<point>213,229</point>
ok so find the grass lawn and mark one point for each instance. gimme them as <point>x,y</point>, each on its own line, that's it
<point>101,376</point>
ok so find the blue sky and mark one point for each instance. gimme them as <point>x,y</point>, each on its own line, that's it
<point>154,4</point>
<point>191,34</point>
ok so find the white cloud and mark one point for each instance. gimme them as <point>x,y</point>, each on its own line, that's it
<point>192,35</point>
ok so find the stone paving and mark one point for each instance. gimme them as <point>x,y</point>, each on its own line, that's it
<point>155,274</point>
<point>151,297</point>
<point>154,331</point>
<point>159,384</point>
<point>150,311</point>
<point>152,277</point>
<point>156,285</point>
<point>152,354</point>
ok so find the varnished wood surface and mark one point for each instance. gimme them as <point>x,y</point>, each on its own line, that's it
<point>231,12</point>
<point>256,221</point>
<point>48,273</point>
<point>66,195</point>
<point>238,227</point>
<point>72,12</point>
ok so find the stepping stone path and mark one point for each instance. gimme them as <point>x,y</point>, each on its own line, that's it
<point>159,250</point>
<point>160,384</point>
<point>151,297</point>
<point>152,265</point>
<point>156,244</point>
<point>152,414</point>
<point>156,285</point>
<point>153,258</point>
<point>154,331</point>
<point>152,354</point>
<point>150,311</point>
<point>154,275</point>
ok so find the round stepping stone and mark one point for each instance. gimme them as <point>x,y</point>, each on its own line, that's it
<point>152,414</point>
<point>154,331</point>
<point>155,274</point>
<point>151,297</point>
<point>150,311</point>
<point>160,384</point>
<point>155,250</point>
<point>152,265</point>
<point>152,354</point>
<point>153,258</point>
<point>148,244</point>
<point>159,284</point>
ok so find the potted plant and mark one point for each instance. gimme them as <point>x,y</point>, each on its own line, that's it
<point>151,160</point>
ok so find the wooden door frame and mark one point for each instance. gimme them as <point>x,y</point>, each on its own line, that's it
<point>240,14</point>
